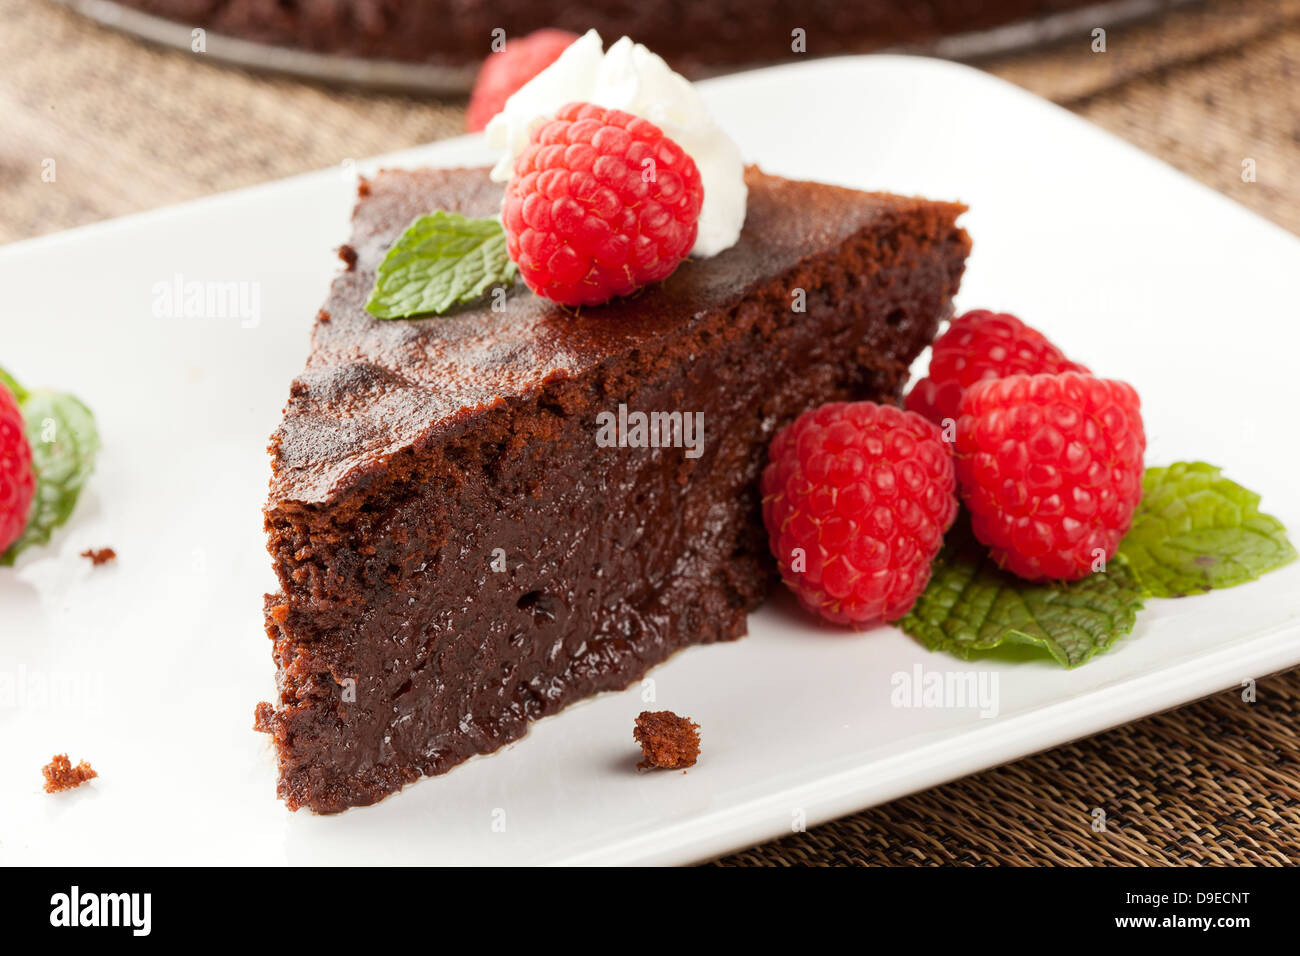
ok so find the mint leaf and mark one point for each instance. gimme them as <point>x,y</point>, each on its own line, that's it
<point>972,606</point>
<point>1195,530</point>
<point>64,441</point>
<point>441,261</point>
<point>7,380</point>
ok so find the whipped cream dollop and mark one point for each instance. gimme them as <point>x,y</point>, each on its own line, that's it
<point>629,77</point>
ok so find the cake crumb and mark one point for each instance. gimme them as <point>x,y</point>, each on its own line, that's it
<point>99,556</point>
<point>666,740</point>
<point>61,775</point>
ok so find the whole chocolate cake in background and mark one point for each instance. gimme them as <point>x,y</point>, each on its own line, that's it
<point>694,35</point>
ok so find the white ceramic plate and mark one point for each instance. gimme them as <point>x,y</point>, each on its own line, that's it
<point>150,667</point>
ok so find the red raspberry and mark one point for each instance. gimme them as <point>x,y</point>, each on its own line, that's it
<point>17,480</point>
<point>856,498</point>
<point>505,71</point>
<point>1050,468</point>
<point>601,203</point>
<point>980,345</point>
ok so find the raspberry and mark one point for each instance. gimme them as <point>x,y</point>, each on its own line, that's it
<point>504,72</point>
<point>601,203</point>
<point>1050,468</point>
<point>17,480</point>
<point>856,499</point>
<point>980,345</point>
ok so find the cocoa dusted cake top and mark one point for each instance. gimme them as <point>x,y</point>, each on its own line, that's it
<point>373,387</point>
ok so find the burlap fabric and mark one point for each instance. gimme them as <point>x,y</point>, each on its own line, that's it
<point>1218,782</point>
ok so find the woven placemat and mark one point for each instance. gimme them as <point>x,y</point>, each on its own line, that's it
<point>130,127</point>
<point>1214,783</point>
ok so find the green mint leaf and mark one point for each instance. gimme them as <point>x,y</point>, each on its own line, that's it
<point>441,261</point>
<point>971,606</point>
<point>11,383</point>
<point>1195,530</point>
<point>64,441</point>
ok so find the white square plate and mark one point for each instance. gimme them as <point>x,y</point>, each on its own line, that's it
<point>150,667</point>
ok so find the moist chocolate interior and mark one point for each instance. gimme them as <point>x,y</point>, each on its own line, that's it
<point>418,457</point>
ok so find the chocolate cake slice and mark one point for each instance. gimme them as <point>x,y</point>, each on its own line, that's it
<point>466,543</point>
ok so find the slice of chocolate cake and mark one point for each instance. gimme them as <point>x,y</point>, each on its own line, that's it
<point>478,519</point>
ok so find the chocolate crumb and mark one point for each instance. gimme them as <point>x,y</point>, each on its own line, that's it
<point>264,718</point>
<point>99,556</point>
<point>666,740</point>
<point>61,775</point>
<point>348,255</point>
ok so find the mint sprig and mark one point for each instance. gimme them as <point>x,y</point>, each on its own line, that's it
<point>8,381</point>
<point>442,260</point>
<point>1196,530</point>
<point>972,607</point>
<point>64,440</point>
